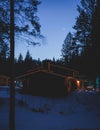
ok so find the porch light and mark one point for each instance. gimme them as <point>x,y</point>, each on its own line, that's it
<point>78,83</point>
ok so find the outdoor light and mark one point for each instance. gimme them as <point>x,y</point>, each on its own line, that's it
<point>78,83</point>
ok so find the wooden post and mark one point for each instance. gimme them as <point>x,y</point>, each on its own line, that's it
<point>48,66</point>
<point>27,83</point>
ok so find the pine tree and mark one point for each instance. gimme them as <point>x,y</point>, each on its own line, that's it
<point>87,28</point>
<point>4,51</point>
<point>26,22</point>
<point>83,25</point>
<point>96,35</point>
<point>28,57</point>
<point>69,48</point>
<point>20,58</point>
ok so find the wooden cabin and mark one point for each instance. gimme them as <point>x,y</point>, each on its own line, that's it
<point>4,73</point>
<point>52,80</point>
<point>4,80</point>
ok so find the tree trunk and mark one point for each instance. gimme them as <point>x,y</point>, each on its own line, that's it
<point>12,89</point>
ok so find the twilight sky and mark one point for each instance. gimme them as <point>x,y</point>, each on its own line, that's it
<point>57,18</point>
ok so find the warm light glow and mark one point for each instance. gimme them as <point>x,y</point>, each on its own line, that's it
<point>78,83</point>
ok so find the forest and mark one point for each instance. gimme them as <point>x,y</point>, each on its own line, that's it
<point>80,49</point>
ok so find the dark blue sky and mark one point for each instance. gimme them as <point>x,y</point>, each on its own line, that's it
<point>57,18</point>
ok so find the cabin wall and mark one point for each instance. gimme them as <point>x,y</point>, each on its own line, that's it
<point>4,81</point>
<point>46,85</point>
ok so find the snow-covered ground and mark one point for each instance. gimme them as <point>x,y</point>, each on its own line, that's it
<point>77,111</point>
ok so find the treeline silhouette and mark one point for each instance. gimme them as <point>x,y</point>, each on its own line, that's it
<point>23,65</point>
